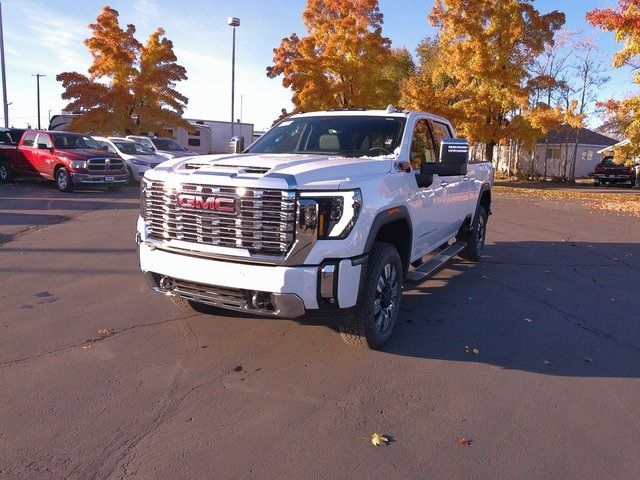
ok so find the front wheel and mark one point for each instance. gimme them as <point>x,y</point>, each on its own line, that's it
<point>379,304</point>
<point>5,173</point>
<point>63,180</point>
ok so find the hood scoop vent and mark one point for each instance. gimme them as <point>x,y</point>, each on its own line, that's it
<point>235,168</point>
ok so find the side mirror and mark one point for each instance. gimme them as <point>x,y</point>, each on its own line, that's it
<point>454,159</point>
<point>237,144</point>
<point>104,147</point>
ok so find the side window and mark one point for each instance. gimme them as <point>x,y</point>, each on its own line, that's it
<point>44,139</point>
<point>109,147</point>
<point>422,150</point>
<point>440,132</point>
<point>29,139</point>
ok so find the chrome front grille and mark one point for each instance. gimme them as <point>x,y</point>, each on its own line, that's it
<point>105,164</point>
<point>260,221</point>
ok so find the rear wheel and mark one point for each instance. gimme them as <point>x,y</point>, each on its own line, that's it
<point>5,173</point>
<point>475,241</point>
<point>379,304</point>
<point>63,180</point>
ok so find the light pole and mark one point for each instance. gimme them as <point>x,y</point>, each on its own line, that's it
<point>5,105</point>
<point>233,22</point>
<point>38,75</point>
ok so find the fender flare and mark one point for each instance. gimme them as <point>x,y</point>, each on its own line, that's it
<point>386,217</point>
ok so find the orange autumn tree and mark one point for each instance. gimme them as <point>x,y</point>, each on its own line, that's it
<point>343,61</point>
<point>485,49</point>
<point>625,23</point>
<point>130,87</point>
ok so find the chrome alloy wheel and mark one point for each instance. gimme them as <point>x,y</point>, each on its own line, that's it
<point>386,299</point>
<point>62,179</point>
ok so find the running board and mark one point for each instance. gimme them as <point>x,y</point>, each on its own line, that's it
<point>430,267</point>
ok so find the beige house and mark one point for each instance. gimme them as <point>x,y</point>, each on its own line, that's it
<point>560,148</point>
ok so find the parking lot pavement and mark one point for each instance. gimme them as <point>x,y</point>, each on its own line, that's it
<point>103,379</point>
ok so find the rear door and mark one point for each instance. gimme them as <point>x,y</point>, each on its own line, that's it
<point>45,160</point>
<point>25,163</point>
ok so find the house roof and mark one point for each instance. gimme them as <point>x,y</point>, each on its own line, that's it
<point>585,136</point>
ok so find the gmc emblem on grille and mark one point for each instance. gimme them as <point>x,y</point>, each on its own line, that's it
<point>221,204</point>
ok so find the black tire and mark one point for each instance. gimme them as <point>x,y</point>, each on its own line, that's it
<point>5,173</point>
<point>596,183</point>
<point>475,240</point>
<point>63,180</point>
<point>382,292</point>
<point>132,179</point>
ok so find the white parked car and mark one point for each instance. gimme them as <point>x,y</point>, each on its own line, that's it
<point>163,146</point>
<point>138,158</point>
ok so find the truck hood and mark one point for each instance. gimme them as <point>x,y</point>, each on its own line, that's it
<point>84,153</point>
<point>281,171</point>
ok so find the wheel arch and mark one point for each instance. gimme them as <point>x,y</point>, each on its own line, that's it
<point>393,226</point>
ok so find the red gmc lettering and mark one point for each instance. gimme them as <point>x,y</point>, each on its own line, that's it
<point>207,203</point>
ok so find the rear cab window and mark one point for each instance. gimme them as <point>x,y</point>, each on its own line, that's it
<point>28,140</point>
<point>44,139</point>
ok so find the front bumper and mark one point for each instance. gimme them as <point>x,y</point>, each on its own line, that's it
<point>271,290</point>
<point>89,179</point>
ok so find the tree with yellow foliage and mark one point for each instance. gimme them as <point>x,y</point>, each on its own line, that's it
<point>625,23</point>
<point>344,61</point>
<point>130,87</point>
<point>479,79</point>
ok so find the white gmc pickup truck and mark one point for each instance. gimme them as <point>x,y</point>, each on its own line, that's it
<point>328,212</point>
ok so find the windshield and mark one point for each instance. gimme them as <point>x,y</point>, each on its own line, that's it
<point>351,136</point>
<point>72,141</point>
<point>167,144</point>
<point>133,148</point>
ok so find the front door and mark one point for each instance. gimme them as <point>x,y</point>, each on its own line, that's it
<point>433,215</point>
<point>457,187</point>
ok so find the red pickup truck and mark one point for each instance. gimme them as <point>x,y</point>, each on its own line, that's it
<point>70,159</point>
<point>610,171</point>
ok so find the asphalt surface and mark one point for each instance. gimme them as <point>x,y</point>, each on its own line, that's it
<point>553,391</point>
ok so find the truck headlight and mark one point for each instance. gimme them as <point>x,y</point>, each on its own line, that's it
<point>78,164</point>
<point>139,163</point>
<point>336,212</point>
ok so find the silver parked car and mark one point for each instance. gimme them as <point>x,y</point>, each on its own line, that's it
<point>137,157</point>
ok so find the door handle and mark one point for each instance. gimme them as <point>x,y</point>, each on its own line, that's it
<point>465,179</point>
<point>444,183</point>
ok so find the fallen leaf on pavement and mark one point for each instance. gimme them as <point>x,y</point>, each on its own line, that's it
<point>464,441</point>
<point>549,290</point>
<point>86,347</point>
<point>588,359</point>
<point>378,439</point>
<point>547,362</point>
<point>104,331</point>
<point>528,320</point>
<point>476,351</point>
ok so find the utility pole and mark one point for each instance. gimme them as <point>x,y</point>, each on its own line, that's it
<point>5,104</point>
<point>38,75</point>
<point>233,22</point>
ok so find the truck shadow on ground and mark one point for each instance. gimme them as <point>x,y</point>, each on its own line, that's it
<point>567,309</point>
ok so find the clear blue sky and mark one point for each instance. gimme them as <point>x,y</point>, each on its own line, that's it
<point>46,37</point>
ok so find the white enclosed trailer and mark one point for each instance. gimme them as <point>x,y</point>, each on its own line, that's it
<point>212,136</point>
